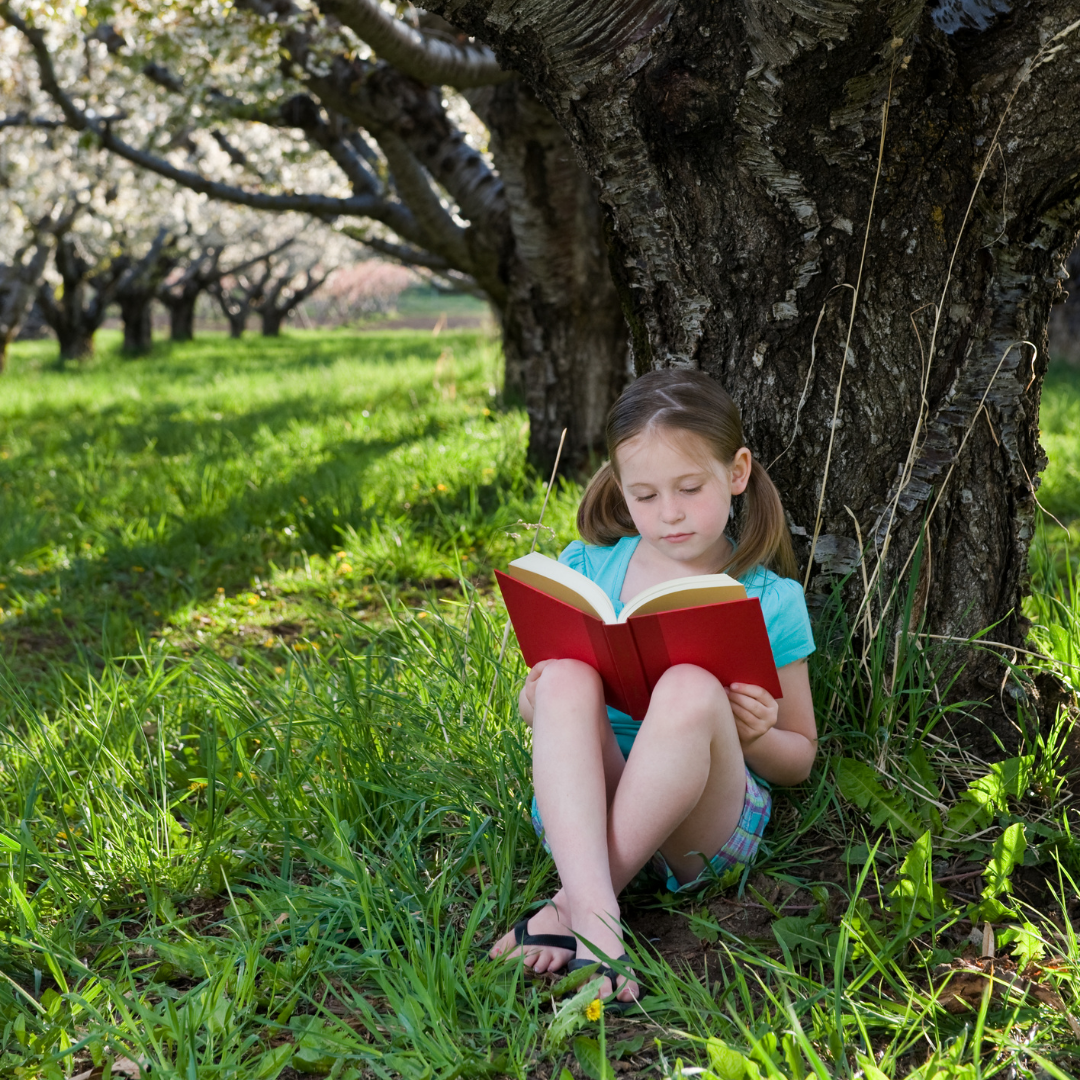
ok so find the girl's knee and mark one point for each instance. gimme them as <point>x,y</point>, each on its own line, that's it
<point>688,696</point>
<point>569,677</point>
<point>692,685</point>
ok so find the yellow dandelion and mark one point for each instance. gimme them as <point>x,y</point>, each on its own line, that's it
<point>346,568</point>
<point>197,785</point>
<point>342,554</point>
<point>2,585</point>
<point>57,611</point>
<point>316,646</point>
<point>138,569</point>
<point>279,671</point>
<point>220,590</point>
<point>440,487</point>
<point>593,1010</point>
<point>253,600</point>
<point>268,643</point>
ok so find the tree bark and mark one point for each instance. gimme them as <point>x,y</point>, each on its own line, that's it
<point>76,340</point>
<point>70,318</point>
<point>736,147</point>
<point>136,311</point>
<point>18,283</point>
<point>564,334</point>
<point>271,321</point>
<point>182,318</point>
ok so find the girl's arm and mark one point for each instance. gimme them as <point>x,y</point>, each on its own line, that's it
<point>779,738</point>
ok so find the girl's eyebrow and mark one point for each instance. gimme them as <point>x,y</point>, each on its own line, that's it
<point>677,479</point>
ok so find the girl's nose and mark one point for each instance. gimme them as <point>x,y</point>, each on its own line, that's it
<point>672,510</point>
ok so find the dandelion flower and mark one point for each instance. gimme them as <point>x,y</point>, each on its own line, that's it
<point>593,1010</point>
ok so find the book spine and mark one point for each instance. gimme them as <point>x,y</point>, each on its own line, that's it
<point>635,687</point>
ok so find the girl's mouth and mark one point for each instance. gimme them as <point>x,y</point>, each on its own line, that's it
<point>677,538</point>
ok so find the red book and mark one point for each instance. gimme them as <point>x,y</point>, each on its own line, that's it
<point>708,620</point>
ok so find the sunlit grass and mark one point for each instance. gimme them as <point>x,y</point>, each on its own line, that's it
<point>257,813</point>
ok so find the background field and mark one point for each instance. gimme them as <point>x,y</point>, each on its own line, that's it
<point>263,793</point>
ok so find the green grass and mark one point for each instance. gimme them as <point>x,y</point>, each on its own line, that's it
<point>257,819</point>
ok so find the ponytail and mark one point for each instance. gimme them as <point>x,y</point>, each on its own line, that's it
<point>763,533</point>
<point>603,517</point>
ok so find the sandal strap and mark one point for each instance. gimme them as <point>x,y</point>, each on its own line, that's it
<point>548,941</point>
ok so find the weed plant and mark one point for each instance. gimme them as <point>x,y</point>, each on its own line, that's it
<point>259,820</point>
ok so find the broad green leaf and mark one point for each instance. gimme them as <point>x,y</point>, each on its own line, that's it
<point>1009,777</point>
<point>968,815</point>
<point>801,934</point>
<point>1008,853</point>
<point>915,896</point>
<point>1026,941</point>
<point>587,1052</point>
<point>626,1047</point>
<point>725,1063</point>
<point>859,783</point>
<point>869,1069</point>
<point>268,1065</point>
<point>571,1014</point>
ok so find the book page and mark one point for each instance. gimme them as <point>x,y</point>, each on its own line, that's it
<point>564,583</point>
<point>683,593</point>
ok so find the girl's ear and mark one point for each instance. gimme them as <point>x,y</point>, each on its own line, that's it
<point>740,470</point>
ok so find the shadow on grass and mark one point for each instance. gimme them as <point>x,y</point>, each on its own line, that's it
<point>201,527</point>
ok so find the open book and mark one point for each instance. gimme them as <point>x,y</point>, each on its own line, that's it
<point>706,620</point>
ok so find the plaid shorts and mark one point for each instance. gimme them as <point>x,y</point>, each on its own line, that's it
<point>738,852</point>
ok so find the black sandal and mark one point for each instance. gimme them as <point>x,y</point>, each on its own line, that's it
<point>544,941</point>
<point>606,971</point>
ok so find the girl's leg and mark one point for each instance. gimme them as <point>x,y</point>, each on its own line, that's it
<point>681,791</point>
<point>576,769</point>
<point>683,786</point>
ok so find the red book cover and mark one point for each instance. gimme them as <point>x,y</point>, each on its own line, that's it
<point>728,639</point>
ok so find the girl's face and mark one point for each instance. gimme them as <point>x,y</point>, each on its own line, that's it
<point>679,496</point>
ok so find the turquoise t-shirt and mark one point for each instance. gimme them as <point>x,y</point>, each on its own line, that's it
<point>782,603</point>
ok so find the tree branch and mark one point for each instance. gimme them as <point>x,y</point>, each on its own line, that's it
<point>395,216</point>
<point>423,56</point>
<point>24,119</point>
<point>398,252</point>
<point>443,234</point>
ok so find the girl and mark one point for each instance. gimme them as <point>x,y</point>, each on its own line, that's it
<point>694,775</point>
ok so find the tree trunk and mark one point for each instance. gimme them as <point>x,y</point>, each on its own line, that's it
<point>737,151</point>
<point>271,321</point>
<point>76,340</point>
<point>67,318</point>
<point>17,285</point>
<point>136,310</point>
<point>564,335</point>
<point>182,317</point>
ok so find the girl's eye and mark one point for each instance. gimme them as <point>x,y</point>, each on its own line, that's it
<point>692,491</point>
<point>643,498</point>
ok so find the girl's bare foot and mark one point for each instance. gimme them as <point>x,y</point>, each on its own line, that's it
<point>599,926</point>
<point>548,920</point>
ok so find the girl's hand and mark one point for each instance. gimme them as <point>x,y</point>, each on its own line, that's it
<point>755,711</point>
<point>527,697</point>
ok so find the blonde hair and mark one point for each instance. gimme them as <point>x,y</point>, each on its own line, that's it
<point>682,401</point>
